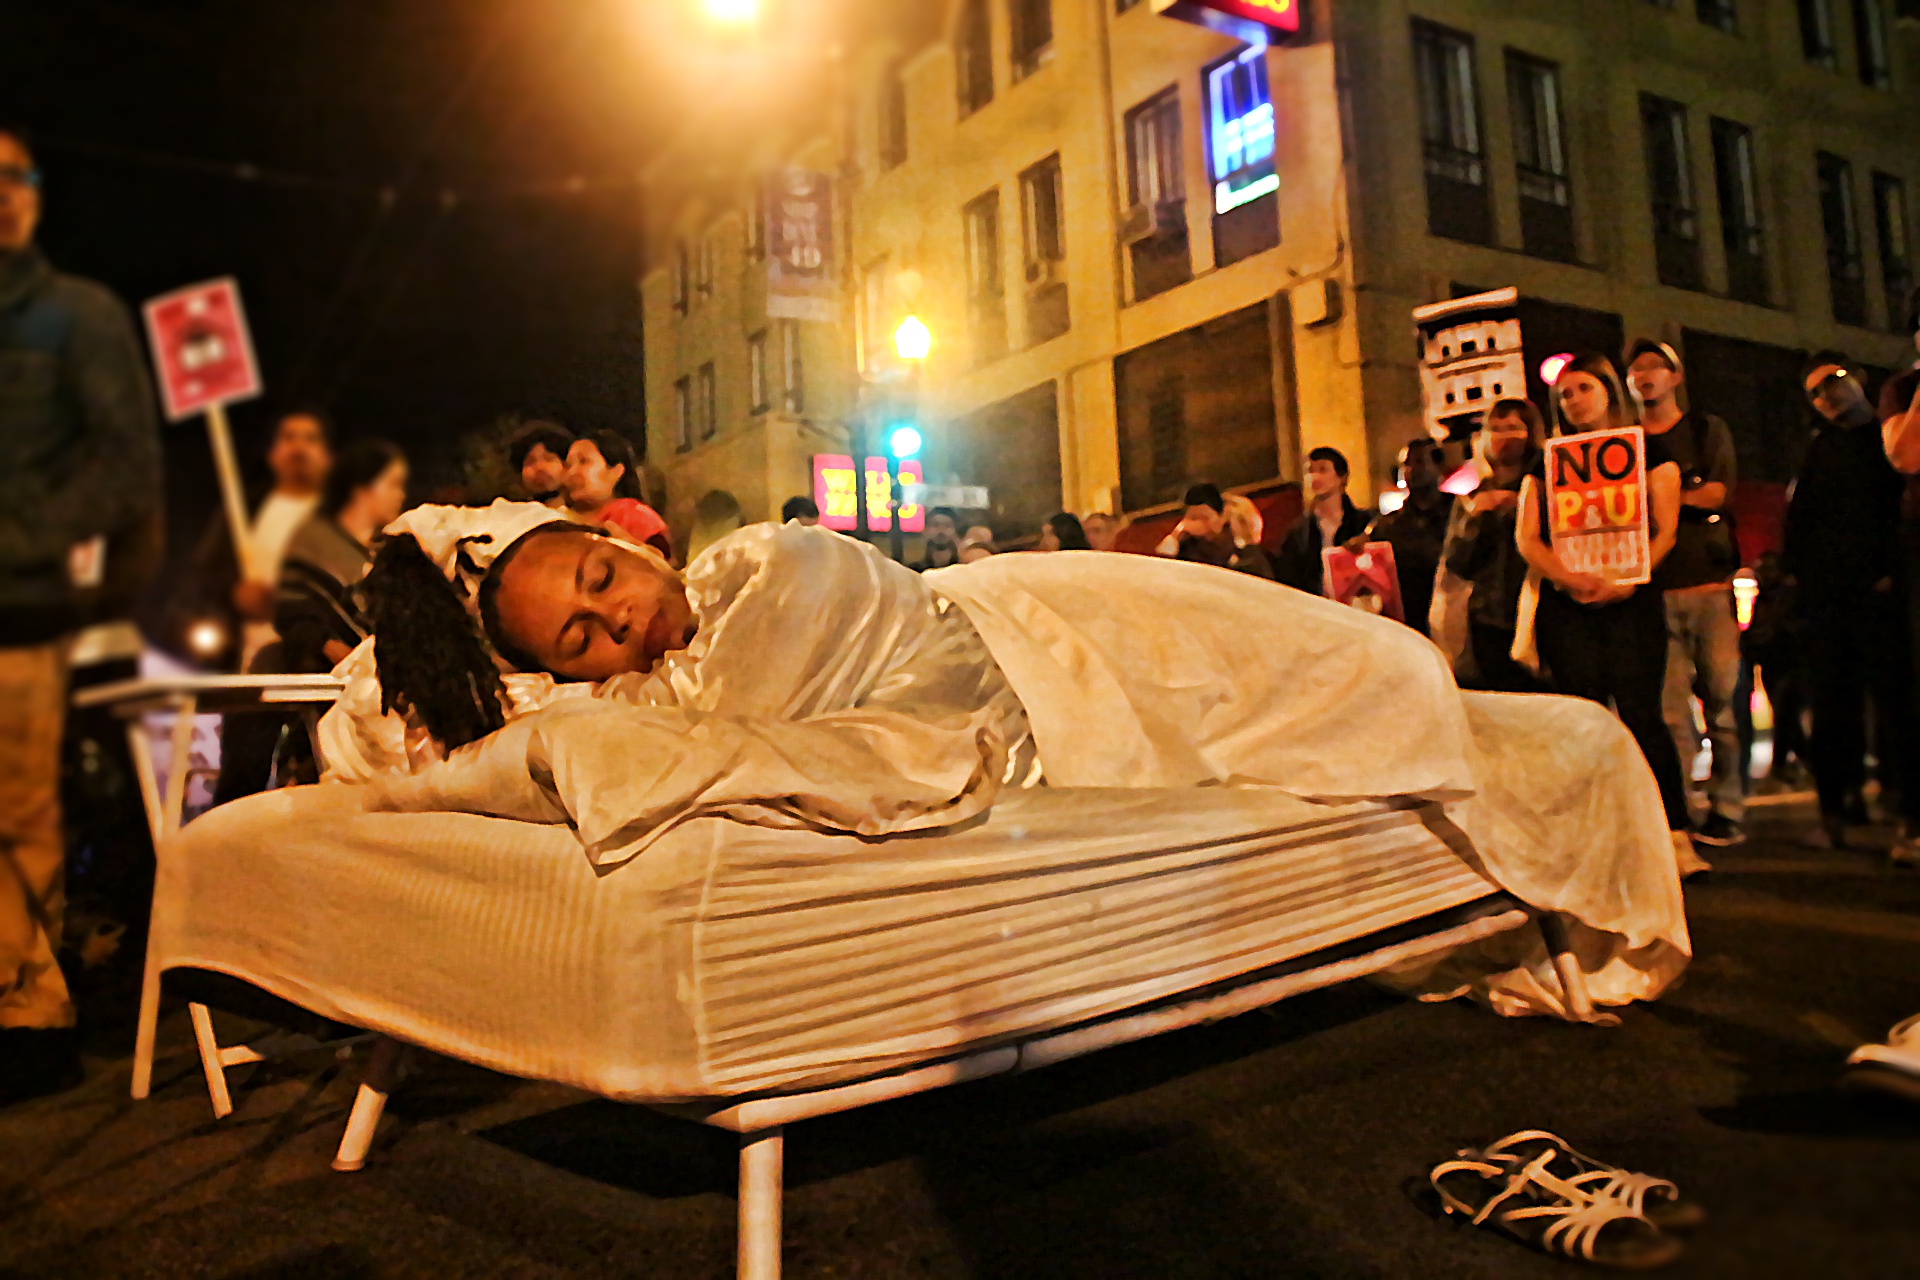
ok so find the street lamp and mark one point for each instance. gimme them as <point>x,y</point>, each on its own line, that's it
<point>912,340</point>
<point>738,13</point>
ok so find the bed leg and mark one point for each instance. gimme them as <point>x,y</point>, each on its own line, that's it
<point>762,1172</point>
<point>211,1062</point>
<point>1573,983</point>
<point>383,1064</point>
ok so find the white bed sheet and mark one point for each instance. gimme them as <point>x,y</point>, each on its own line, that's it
<point>737,958</point>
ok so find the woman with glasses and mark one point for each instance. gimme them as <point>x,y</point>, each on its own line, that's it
<point>1599,639</point>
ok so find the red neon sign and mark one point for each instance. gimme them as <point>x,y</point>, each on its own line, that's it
<point>833,494</point>
<point>1280,15</point>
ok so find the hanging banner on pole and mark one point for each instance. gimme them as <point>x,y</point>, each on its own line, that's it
<point>1597,504</point>
<point>204,359</point>
<point>800,279</point>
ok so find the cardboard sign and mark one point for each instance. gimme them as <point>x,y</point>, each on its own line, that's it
<point>201,348</point>
<point>1597,504</point>
<point>833,494</point>
<point>1470,356</point>
<point>800,276</point>
<point>1369,581</point>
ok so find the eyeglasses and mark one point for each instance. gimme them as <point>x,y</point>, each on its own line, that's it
<point>1829,384</point>
<point>12,175</point>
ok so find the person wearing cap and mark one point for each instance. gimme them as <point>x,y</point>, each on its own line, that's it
<point>1220,531</point>
<point>1330,520</point>
<point>1842,550</point>
<point>1696,582</point>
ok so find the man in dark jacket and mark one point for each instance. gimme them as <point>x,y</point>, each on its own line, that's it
<point>1417,532</point>
<point>1219,531</point>
<point>1330,520</point>
<point>1842,550</point>
<point>79,463</point>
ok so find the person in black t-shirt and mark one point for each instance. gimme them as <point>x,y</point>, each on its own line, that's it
<point>1696,581</point>
<point>1599,639</point>
<point>1417,532</point>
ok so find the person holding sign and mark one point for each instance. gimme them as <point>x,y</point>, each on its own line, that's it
<point>1597,516</point>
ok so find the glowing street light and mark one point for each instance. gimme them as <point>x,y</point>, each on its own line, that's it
<point>904,442</point>
<point>912,340</point>
<point>733,12</point>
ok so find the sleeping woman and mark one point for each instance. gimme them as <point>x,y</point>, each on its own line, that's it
<point>528,668</point>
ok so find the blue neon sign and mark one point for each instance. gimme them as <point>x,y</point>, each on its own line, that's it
<point>1241,118</point>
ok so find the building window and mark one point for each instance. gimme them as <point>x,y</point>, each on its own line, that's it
<point>1870,43</point>
<point>1121,6</point>
<point>1841,224</point>
<point>1457,204</point>
<point>1240,128</point>
<point>1816,33</point>
<point>1032,22</point>
<point>1896,260</point>
<point>1737,183</point>
<point>756,215</point>
<point>1540,158</point>
<point>707,404</point>
<point>757,390</point>
<point>875,349</point>
<point>1156,188</point>
<point>973,52</point>
<point>681,274</point>
<point>703,267</point>
<point>893,117</point>
<point>1044,250</point>
<point>1676,216</point>
<point>1721,15</point>
<point>683,414</point>
<point>792,375</point>
<point>986,292</point>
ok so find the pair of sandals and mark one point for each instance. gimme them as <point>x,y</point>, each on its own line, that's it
<point>1536,1188</point>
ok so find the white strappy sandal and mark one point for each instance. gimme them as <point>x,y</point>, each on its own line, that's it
<point>1656,1199</point>
<point>1576,1218</point>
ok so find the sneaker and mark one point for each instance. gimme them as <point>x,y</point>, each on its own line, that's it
<point>1720,831</point>
<point>36,1061</point>
<point>1689,863</point>
<point>1893,1067</point>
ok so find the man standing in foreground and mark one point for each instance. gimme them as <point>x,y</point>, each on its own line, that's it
<point>1842,549</point>
<point>1696,581</point>
<point>79,461</point>
<point>538,455</point>
<point>1330,520</point>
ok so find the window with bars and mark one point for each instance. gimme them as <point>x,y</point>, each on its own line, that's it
<point>986,289</point>
<point>1670,193</point>
<point>703,255</point>
<point>1870,43</point>
<point>1540,158</point>
<point>1032,32</point>
<point>1736,182</point>
<point>973,54</point>
<point>1896,253</point>
<point>757,389</point>
<point>893,116</point>
<point>1816,33</point>
<point>1846,276</point>
<point>793,385</point>
<point>682,273</point>
<point>707,401</point>
<point>1721,15</point>
<point>1157,190</point>
<point>683,414</point>
<point>1456,175</point>
<point>756,213</point>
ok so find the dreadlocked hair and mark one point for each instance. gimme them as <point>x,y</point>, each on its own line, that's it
<point>430,660</point>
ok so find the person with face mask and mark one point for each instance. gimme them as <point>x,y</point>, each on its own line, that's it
<point>1480,544</point>
<point>1599,639</point>
<point>1842,552</point>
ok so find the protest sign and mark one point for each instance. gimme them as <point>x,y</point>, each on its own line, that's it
<point>800,274</point>
<point>1369,580</point>
<point>1597,504</point>
<point>1470,357</point>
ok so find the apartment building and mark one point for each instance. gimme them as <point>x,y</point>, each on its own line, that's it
<point>1151,251</point>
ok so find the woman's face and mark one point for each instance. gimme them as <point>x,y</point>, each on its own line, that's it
<point>386,497</point>
<point>1049,538</point>
<point>1583,399</point>
<point>590,480</point>
<point>588,608</point>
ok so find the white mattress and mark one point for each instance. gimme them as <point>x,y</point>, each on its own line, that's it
<point>731,959</point>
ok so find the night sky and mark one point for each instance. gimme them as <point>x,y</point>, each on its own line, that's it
<point>409,253</point>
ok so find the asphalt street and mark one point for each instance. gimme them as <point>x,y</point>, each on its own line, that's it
<point>1271,1145</point>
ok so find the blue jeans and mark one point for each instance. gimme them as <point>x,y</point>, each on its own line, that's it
<point>1703,658</point>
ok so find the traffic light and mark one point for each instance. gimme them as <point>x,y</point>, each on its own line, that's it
<point>903,441</point>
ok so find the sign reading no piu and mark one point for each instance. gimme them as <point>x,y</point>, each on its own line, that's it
<point>1597,503</point>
